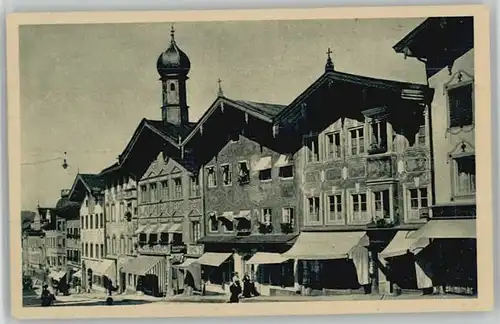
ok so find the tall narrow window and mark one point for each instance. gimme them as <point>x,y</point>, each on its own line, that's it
<point>196,231</point>
<point>165,195</point>
<point>381,204</point>
<point>421,136</point>
<point>287,216</point>
<point>102,220</point>
<point>226,175</point>
<point>211,177</point>
<point>313,209</point>
<point>102,250</point>
<point>335,208</point>
<point>333,147</point>
<point>243,173</point>
<point>378,136</point>
<point>357,141</point>
<point>465,175</point>
<point>359,210</point>
<point>418,198</point>
<point>154,194</point>
<point>312,149</point>
<point>461,105</point>
<point>266,216</point>
<point>144,194</point>
<point>194,186</point>
<point>178,188</point>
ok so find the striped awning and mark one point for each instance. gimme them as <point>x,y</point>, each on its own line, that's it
<point>447,229</point>
<point>142,264</point>
<point>175,228</point>
<point>78,274</point>
<point>242,214</point>
<point>264,163</point>
<point>186,264</point>
<point>402,243</point>
<point>141,229</point>
<point>266,258</point>
<point>151,229</point>
<point>57,275</point>
<point>162,228</point>
<point>213,259</point>
<point>227,215</point>
<point>106,268</point>
<point>325,245</point>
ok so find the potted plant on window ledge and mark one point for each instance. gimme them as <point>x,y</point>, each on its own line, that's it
<point>243,178</point>
<point>381,222</point>
<point>286,228</point>
<point>376,148</point>
<point>265,228</point>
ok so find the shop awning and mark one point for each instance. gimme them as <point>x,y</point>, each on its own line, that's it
<point>106,268</point>
<point>175,228</point>
<point>186,264</point>
<point>57,275</point>
<point>141,264</point>
<point>227,215</point>
<point>151,229</point>
<point>213,259</point>
<point>141,229</point>
<point>266,258</point>
<point>242,214</point>
<point>402,243</point>
<point>263,164</point>
<point>162,228</point>
<point>283,160</point>
<point>325,245</point>
<point>78,274</point>
<point>447,229</point>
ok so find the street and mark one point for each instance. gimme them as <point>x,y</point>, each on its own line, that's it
<point>30,299</point>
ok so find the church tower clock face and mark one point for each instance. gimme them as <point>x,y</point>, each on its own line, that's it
<point>171,92</point>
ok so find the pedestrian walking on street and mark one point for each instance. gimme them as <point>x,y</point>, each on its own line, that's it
<point>47,298</point>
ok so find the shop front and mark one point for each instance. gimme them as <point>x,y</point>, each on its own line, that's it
<point>331,262</point>
<point>451,256</point>
<point>146,274</point>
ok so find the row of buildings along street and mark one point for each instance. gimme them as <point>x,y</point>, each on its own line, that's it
<point>358,186</point>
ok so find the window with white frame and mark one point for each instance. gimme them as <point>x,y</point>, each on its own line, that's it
<point>461,105</point>
<point>195,231</point>
<point>144,194</point>
<point>465,175</point>
<point>194,186</point>
<point>211,177</point>
<point>265,175</point>
<point>359,208</point>
<point>178,188</point>
<point>381,204</point>
<point>313,208</point>
<point>266,216</point>
<point>226,175</point>
<point>165,194</point>
<point>335,208</point>
<point>154,196</point>
<point>333,147</point>
<point>287,215</point>
<point>312,148</point>
<point>357,141</point>
<point>286,172</point>
<point>421,136</point>
<point>379,134</point>
<point>243,172</point>
<point>417,198</point>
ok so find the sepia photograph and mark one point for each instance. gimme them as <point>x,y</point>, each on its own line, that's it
<point>185,162</point>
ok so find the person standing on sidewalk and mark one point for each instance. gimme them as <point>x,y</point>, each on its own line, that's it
<point>235,290</point>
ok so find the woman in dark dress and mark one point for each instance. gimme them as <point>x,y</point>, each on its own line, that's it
<point>235,290</point>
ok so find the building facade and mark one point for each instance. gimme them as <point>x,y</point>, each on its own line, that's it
<point>88,192</point>
<point>446,46</point>
<point>34,259</point>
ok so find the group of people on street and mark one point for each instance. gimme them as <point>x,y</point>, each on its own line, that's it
<point>237,290</point>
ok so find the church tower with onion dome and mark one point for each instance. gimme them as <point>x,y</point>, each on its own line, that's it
<point>173,66</point>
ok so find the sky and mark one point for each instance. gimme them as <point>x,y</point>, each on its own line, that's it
<point>85,88</point>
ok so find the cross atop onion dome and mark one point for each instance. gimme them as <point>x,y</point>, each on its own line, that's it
<point>173,60</point>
